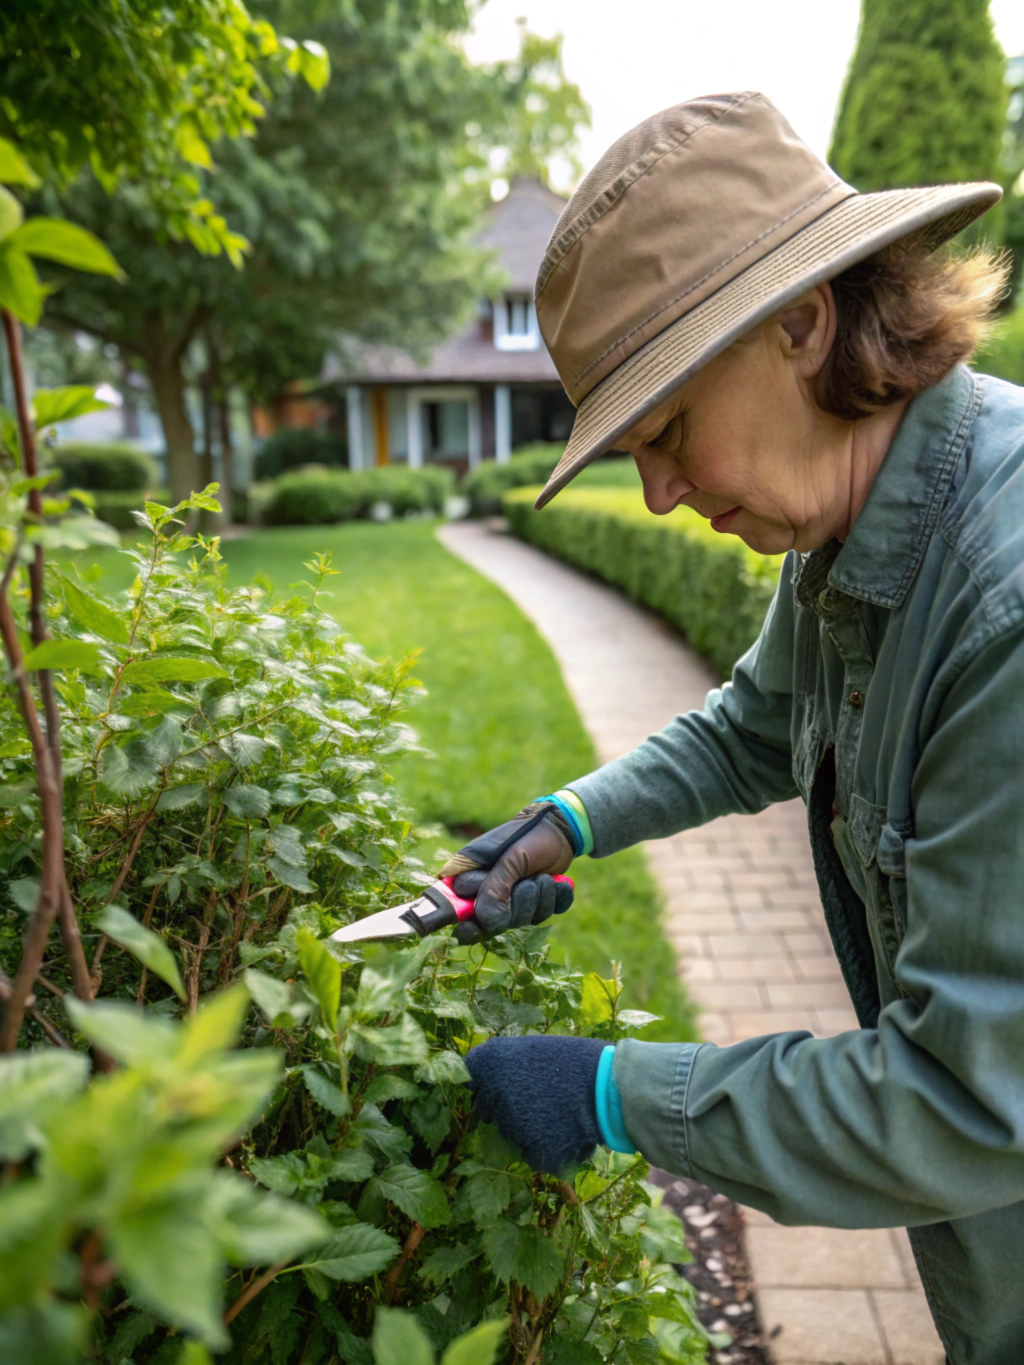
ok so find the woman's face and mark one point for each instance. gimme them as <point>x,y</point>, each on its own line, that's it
<point>744,443</point>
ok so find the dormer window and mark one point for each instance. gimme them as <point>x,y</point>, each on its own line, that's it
<point>515,324</point>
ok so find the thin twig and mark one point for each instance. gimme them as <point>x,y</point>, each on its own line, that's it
<point>416,1235</point>
<point>538,1340</point>
<point>81,981</point>
<point>251,1290</point>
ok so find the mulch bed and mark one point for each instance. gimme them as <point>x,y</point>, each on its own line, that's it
<point>718,1271</point>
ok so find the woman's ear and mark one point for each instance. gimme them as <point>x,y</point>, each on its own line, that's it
<point>807,329</point>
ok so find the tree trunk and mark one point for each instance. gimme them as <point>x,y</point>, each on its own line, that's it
<point>227,453</point>
<point>163,364</point>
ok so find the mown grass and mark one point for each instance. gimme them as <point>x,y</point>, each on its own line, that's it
<point>497,720</point>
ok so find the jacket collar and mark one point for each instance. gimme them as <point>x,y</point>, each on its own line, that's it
<point>883,553</point>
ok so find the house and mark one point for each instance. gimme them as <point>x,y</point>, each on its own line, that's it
<point>483,392</point>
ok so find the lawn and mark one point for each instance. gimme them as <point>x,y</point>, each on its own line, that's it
<point>497,720</point>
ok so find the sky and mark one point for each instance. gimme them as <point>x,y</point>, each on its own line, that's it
<point>631,58</point>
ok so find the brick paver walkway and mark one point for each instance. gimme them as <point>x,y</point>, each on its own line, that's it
<point>743,910</point>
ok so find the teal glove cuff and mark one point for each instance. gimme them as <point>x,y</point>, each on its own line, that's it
<point>575,817</point>
<point>609,1106</point>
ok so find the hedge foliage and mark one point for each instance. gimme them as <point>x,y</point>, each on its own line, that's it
<point>103,466</point>
<point>320,496</point>
<point>228,803</point>
<point>486,485</point>
<point>712,588</point>
<point>292,447</point>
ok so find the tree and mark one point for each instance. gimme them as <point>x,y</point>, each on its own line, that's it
<point>357,201</point>
<point>138,92</point>
<point>924,100</point>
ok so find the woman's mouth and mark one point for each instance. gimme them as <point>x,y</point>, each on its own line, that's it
<point>723,521</point>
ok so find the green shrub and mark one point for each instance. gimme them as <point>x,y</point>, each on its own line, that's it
<point>712,588</point>
<point>1003,354</point>
<point>487,484</point>
<point>319,496</point>
<point>292,447</point>
<point>107,467</point>
<point>228,803</point>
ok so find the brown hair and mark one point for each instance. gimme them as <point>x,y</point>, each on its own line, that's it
<point>905,317</point>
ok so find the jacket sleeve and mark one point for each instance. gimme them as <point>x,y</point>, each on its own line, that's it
<point>922,1118</point>
<point>734,755</point>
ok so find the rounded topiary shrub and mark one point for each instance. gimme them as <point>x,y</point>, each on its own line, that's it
<point>292,447</point>
<point>103,466</point>
<point>485,485</point>
<point>313,498</point>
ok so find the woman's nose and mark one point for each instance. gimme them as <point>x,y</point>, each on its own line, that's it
<point>664,485</point>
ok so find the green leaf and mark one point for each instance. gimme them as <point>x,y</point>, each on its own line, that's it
<point>247,802</point>
<point>481,1346</point>
<point>127,769</point>
<point>11,214</point>
<point>95,616</point>
<point>488,1193</point>
<point>286,841</point>
<point>122,1030</point>
<point>170,668</point>
<point>358,1251</point>
<point>14,169</point>
<point>177,798</point>
<point>20,289</point>
<point>501,1246</point>
<point>258,1229</point>
<point>416,1193</point>
<point>326,1093</point>
<point>34,1086</point>
<point>61,654</point>
<point>171,1262</point>
<point>636,1018</point>
<point>61,405</point>
<point>193,1353</point>
<point>323,973</point>
<point>446,1262</point>
<point>597,1002</point>
<point>276,999</point>
<point>55,239</point>
<point>142,943</point>
<point>398,1339</point>
<point>244,750</point>
<point>216,1025</point>
<point>281,1173</point>
<point>401,1044</point>
<point>24,892</point>
<point>314,64</point>
<point>291,876</point>
<point>539,1263</point>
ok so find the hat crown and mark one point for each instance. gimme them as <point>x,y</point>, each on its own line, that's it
<point>675,209</point>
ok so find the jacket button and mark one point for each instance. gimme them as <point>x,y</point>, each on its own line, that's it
<point>857,699</point>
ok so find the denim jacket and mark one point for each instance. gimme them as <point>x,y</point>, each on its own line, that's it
<point>887,689</point>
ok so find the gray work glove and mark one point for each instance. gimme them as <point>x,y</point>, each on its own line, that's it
<point>509,871</point>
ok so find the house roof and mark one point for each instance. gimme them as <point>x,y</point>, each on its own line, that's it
<point>517,228</point>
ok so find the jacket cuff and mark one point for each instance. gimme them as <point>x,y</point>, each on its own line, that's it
<point>652,1080</point>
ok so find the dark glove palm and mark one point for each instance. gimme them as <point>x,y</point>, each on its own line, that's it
<point>540,1093</point>
<point>508,873</point>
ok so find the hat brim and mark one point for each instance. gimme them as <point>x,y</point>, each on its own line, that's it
<point>846,234</point>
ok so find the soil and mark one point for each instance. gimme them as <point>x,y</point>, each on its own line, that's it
<point>718,1271</point>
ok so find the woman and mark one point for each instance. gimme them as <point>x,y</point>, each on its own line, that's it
<point>784,356</point>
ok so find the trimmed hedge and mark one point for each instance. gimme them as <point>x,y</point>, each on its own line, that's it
<point>712,588</point>
<point>486,485</point>
<point>318,496</point>
<point>103,466</point>
<point>292,447</point>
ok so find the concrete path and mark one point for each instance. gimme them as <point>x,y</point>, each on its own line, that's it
<point>743,910</point>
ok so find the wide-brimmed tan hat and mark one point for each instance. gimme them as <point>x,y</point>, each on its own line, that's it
<point>690,230</point>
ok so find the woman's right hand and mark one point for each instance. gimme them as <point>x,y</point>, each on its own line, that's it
<point>509,872</point>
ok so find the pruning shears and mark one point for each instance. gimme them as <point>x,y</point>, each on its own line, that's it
<point>437,907</point>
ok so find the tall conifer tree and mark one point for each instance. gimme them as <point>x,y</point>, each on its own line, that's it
<point>925,97</point>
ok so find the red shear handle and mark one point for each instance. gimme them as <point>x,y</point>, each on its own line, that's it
<point>463,908</point>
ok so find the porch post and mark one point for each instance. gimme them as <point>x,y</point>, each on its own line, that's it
<point>414,428</point>
<point>502,423</point>
<point>354,419</point>
<point>474,429</point>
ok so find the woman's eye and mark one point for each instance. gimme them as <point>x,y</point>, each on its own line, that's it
<point>671,437</point>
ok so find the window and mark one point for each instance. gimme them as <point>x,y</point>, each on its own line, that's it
<point>515,324</point>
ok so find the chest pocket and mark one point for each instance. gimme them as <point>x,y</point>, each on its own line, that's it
<point>881,852</point>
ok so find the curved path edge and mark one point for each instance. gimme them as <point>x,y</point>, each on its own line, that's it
<point>742,910</point>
